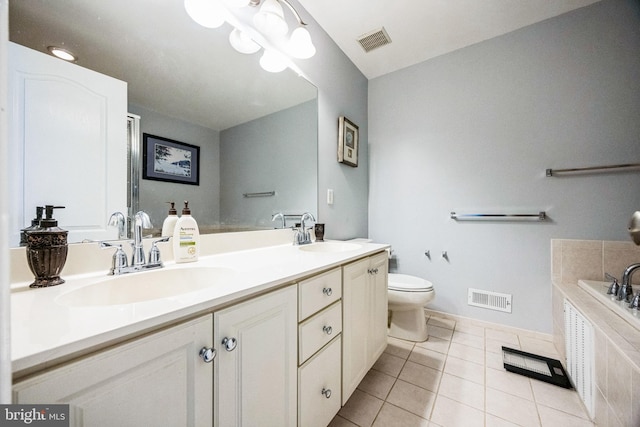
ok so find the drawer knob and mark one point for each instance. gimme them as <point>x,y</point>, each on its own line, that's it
<point>326,392</point>
<point>229,343</point>
<point>207,354</point>
<point>327,330</point>
<point>372,271</point>
<point>327,291</point>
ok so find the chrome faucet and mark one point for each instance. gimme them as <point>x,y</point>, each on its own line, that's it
<point>140,220</point>
<point>120,264</point>
<point>626,290</point>
<point>279,215</point>
<point>117,220</point>
<point>303,235</point>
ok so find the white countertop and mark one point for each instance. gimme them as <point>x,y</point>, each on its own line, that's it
<point>45,332</point>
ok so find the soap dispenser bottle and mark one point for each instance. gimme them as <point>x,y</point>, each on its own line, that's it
<point>186,237</point>
<point>169,224</point>
<point>35,224</point>
<point>47,250</point>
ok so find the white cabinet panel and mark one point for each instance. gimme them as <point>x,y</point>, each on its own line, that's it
<point>256,380</point>
<point>319,330</point>
<point>156,380</point>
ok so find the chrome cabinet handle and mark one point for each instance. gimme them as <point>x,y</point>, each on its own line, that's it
<point>326,392</point>
<point>327,330</point>
<point>207,354</point>
<point>327,291</point>
<point>372,271</point>
<point>229,343</point>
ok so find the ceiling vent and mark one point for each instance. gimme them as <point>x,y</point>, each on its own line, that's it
<point>374,39</point>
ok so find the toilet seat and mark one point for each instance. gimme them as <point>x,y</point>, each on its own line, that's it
<point>406,283</point>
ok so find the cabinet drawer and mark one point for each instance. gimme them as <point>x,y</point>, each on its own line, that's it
<point>320,374</point>
<point>318,292</point>
<point>319,330</point>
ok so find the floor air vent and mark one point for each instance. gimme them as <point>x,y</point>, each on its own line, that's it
<point>374,39</point>
<point>490,300</point>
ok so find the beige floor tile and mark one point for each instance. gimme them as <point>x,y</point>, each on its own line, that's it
<point>504,336</point>
<point>377,384</point>
<point>463,391</point>
<point>389,364</point>
<point>428,357</point>
<point>435,344</point>
<point>392,416</point>
<point>465,352</point>
<point>509,382</point>
<point>439,332</point>
<point>420,375</point>
<point>449,413</point>
<point>555,397</point>
<point>552,418</point>
<point>539,347</point>
<point>465,369</point>
<point>412,398</point>
<point>494,360</point>
<point>493,421</point>
<point>512,408</point>
<point>361,408</point>
<point>468,339</point>
<point>495,346</point>
<point>338,421</point>
<point>470,328</point>
<point>399,348</point>
<point>441,322</point>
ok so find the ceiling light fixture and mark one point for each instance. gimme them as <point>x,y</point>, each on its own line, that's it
<point>269,25</point>
<point>62,53</point>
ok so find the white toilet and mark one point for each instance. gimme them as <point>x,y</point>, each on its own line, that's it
<point>407,297</point>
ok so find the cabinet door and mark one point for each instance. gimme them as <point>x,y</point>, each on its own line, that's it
<point>256,376</point>
<point>379,305</point>
<point>158,380</point>
<point>355,325</point>
<point>364,318</point>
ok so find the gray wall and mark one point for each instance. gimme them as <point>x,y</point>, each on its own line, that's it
<point>474,131</point>
<point>342,90</point>
<point>204,199</point>
<point>277,153</point>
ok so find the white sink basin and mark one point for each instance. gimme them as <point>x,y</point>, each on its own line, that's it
<point>330,247</point>
<point>145,286</point>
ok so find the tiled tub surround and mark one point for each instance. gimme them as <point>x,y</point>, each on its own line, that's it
<point>616,342</point>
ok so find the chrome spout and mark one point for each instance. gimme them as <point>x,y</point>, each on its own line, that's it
<point>626,291</point>
<point>140,221</point>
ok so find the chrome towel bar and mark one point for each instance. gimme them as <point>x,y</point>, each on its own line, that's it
<point>263,194</point>
<point>540,216</point>
<point>594,169</point>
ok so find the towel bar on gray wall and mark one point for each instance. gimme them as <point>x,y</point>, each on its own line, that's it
<point>540,216</point>
<point>594,169</point>
<point>263,194</point>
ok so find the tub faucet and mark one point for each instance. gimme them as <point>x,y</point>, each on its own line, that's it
<point>626,290</point>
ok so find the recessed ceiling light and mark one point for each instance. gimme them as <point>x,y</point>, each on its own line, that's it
<point>62,53</point>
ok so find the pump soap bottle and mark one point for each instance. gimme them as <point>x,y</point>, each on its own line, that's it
<point>35,224</point>
<point>47,250</point>
<point>169,224</point>
<point>186,237</point>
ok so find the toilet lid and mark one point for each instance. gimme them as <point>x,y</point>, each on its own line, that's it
<point>407,283</point>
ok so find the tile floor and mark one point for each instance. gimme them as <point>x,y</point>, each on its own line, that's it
<point>456,378</point>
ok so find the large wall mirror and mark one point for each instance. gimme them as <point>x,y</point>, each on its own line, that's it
<point>257,131</point>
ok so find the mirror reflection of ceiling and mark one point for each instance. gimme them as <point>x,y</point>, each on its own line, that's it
<point>171,64</point>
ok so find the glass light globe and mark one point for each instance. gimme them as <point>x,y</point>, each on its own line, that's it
<point>273,61</point>
<point>242,42</point>
<point>270,19</point>
<point>300,44</point>
<point>208,13</point>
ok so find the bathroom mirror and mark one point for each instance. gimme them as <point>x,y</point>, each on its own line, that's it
<point>186,83</point>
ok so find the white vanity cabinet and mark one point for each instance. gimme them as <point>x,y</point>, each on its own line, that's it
<point>255,367</point>
<point>319,355</point>
<point>364,321</point>
<point>158,380</point>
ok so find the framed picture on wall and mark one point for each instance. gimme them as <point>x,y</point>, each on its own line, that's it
<point>347,142</point>
<point>167,160</point>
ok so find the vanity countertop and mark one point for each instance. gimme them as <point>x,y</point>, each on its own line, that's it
<point>45,332</point>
